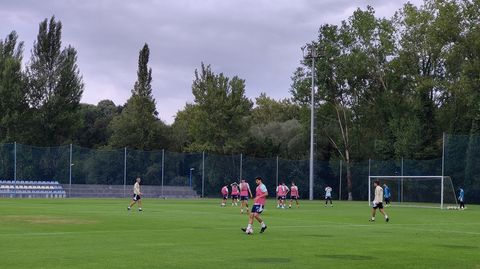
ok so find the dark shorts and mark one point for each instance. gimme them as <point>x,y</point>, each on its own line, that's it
<point>294,197</point>
<point>136,197</point>
<point>282,197</point>
<point>379,206</point>
<point>257,209</point>
<point>328,198</point>
<point>225,197</point>
<point>244,198</point>
<point>387,200</point>
<point>234,196</point>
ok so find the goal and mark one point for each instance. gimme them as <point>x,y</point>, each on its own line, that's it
<point>417,191</point>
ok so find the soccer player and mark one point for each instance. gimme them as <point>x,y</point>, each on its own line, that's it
<point>224,195</point>
<point>261,194</point>
<point>386,194</point>
<point>378,201</point>
<point>244,193</point>
<point>234,193</point>
<point>282,191</point>
<point>136,195</point>
<point>328,196</point>
<point>293,194</point>
<point>461,198</point>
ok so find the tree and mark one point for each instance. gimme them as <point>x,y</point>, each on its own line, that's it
<point>220,122</point>
<point>137,126</point>
<point>94,131</point>
<point>13,104</point>
<point>55,86</point>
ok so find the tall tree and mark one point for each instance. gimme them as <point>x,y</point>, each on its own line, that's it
<point>220,122</point>
<point>13,103</point>
<point>55,86</point>
<point>138,126</point>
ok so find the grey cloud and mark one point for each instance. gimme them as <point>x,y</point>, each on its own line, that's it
<point>257,40</point>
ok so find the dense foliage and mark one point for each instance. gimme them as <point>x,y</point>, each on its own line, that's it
<point>388,88</point>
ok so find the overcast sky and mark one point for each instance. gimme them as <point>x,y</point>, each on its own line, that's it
<point>258,40</point>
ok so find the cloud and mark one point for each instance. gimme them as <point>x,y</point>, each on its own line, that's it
<point>258,40</point>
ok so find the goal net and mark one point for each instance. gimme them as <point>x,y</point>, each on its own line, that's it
<point>416,191</point>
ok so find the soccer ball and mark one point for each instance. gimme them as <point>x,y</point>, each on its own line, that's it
<point>249,231</point>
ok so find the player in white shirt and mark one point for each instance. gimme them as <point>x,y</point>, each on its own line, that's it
<point>328,196</point>
<point>378,201</point>
<point>136,195</point>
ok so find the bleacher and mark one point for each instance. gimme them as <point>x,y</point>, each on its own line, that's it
<point>31,189</point>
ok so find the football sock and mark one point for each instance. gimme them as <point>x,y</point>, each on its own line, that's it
<point>263,224</point>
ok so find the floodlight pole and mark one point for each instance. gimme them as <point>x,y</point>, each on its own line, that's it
<point>311,54</point>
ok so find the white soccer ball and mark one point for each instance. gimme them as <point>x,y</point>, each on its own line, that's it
<point>249,231</point>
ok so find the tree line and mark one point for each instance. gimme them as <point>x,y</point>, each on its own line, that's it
<point>388,88</point>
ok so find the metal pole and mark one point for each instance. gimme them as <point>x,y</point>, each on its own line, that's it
<point>163,170</point>
<point>369,183</point>
<point>277,171</point>
<point>401,187</point>
<point>312,126</point>
<point>203,174</point>
<point>70,175</point>
<point>443,171</point>
<point>369,192</point>
<point>241,166</point>
<point>340,185</point>
<point>190,178</point>
<point>14,169</point>
<point>125,173</point>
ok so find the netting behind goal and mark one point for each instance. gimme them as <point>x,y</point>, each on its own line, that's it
<point>416,191</point>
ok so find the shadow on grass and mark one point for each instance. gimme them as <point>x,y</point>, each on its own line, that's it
<point>458,246</point>
<point>270,260</point>
<point>348,257</point>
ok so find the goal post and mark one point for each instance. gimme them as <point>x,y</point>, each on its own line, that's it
<point>417,191</point>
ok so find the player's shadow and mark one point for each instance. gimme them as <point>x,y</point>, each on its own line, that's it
<point>458,246</point>
<point>348,257</point>
<point>271,260</point>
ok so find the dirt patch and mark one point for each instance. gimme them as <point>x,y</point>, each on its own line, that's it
<point>45,220</point>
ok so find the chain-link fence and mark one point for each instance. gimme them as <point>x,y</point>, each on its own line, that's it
<point>206,173</point>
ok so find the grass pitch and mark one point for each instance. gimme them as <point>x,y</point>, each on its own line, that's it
<point>101,233</point>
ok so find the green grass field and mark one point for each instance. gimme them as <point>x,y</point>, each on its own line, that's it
<point>101,233</point>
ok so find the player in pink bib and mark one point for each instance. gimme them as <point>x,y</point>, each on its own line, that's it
<point>261,194</point>
<point>294,195</point>
<point>282,191</point>
<point>245,192</point>
<point>234,193</point>
<point>224,192</point>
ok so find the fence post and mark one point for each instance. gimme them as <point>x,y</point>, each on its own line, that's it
<point>15,169</point>
<point>401,181</point>
<point>163,171</point>
<point>443,171</point>
<point>277,171</point>
<point>369,187</point>
<point>340,183</point>
<point>70,174</point>
<point>241,165</point>
<point>125,172</point>
<point>203,174</point>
